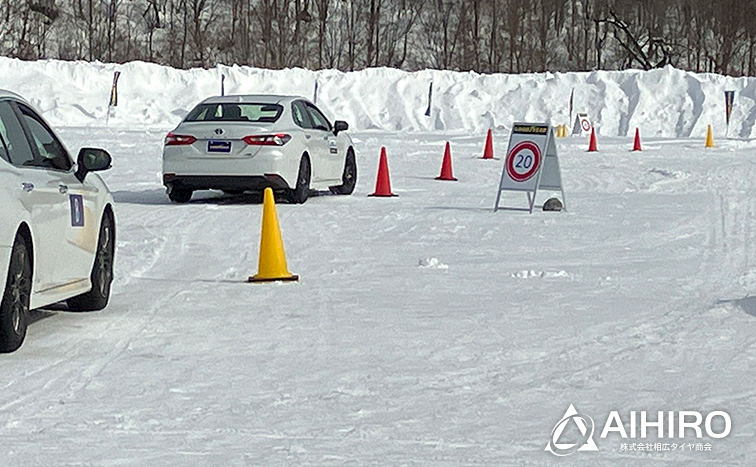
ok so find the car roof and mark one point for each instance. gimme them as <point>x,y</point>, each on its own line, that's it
<point>4,94</point>
<point>251,99</point>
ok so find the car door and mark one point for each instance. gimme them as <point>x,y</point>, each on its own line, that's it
<point>38,193</point>
<point>315,147</point>
<point>76,214</point>
<point>328,150</point>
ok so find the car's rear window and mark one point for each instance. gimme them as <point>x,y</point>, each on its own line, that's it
<point>263,113</point>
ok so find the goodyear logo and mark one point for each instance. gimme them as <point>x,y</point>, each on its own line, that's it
<point>531,129</point>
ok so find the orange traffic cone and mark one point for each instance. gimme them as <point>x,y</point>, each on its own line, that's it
<point>592,145</point>
<point>272,261</point>
<point>488,151</point>
<point>446,165</point>
<point>637,143</point>
<point>383,182</point>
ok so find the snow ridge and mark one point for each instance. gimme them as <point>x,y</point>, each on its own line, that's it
<point>665,102</point>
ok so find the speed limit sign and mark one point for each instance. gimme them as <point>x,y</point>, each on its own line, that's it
<point>531,164</point>
<point>523,161</point>
<point>582,126</point>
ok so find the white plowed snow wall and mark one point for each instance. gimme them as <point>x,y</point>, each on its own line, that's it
<point>665,102</point>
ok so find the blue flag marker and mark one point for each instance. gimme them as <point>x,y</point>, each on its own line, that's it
<point>315,94</point>
<point>729,101</point>
<point>430,99</point>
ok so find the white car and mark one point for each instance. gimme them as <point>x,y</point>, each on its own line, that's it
<point>250,142</point>
<point>57,230</point>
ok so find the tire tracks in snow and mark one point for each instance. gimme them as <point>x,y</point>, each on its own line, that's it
<point>727,252</point>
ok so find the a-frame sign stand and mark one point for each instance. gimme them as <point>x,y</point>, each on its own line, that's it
<point>531,164</point>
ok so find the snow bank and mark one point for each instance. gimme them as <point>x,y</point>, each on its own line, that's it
<point>665,102</point>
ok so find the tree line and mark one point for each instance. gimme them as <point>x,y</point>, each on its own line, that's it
<point>487,36</point>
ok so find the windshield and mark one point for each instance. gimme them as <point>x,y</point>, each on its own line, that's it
<point>263,113</point>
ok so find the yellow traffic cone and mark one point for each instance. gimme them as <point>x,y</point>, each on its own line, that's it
<point>709,138</point>
<point>272,263</point>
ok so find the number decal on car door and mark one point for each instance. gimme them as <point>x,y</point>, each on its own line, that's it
<point>77,210</point>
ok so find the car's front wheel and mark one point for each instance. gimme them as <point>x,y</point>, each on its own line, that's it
<point>14,308</point>
<point>349,178</point>
<point>102,271</point>
<point>301,191</point>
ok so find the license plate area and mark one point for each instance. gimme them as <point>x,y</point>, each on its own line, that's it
<point>219,146</point>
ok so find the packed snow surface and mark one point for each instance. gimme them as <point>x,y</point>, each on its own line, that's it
<point>425,328</point>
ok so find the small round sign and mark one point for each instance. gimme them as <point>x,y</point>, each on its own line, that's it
<point>523,161</point>
<point>585,124</point>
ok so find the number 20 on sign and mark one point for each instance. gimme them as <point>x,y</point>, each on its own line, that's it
<point>523,161</point>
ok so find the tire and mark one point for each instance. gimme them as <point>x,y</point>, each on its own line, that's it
<point>302,190</point>
<point>102,271</point>
<point>14,308</point>
<point>179,195</point>
<point>349,178</point>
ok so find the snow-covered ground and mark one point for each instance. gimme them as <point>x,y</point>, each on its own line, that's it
<point>425,329</point>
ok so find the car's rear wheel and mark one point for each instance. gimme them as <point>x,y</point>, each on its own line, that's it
<point>102,271</point>
<point>301,191</point>
<point>349,178</point>
<point>14,308</point>
<point>179,195</point>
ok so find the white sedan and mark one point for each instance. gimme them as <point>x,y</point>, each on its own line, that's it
<point>57,230</point>
<point>250,142</point>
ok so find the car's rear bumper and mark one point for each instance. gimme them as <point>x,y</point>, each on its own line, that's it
<point>225,182</point>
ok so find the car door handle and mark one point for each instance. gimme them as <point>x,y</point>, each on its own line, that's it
<point>63,189</point>
<point>27,187</point>
<point>307,136</point>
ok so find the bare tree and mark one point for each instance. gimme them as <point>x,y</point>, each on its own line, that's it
<point>480,35</point>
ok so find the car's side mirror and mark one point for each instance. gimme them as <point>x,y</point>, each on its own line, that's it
<point>339,126</point>
<point>92,160</point>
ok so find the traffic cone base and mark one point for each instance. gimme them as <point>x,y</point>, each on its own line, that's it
<point>446,166</point>
<point>256,278</point>
<point>383,180</point>
<point>488,150</point>
<point>271,265</point>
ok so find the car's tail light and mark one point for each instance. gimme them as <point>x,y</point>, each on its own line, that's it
<point>179,140</point>
<point>267,140</point>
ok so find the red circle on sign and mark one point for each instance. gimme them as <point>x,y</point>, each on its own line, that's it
<point>531,166</point>
<point>585,124</point>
